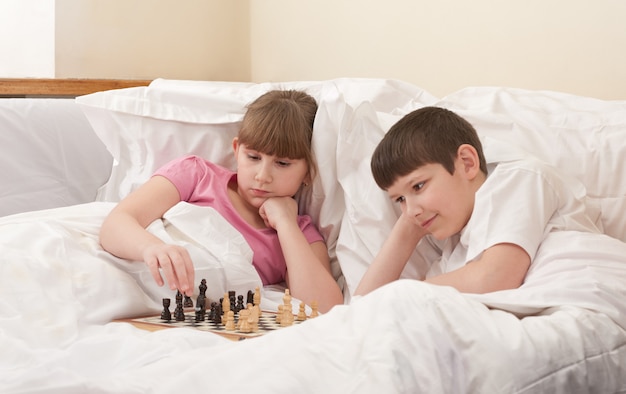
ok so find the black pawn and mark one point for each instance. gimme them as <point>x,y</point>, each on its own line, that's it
<point>188,302</point>
<point>199,314</point>
<point>217,316</point>
<point>211,314</point>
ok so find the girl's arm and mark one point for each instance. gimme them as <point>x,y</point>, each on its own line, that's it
<point>500,267</point>
<point>124,234</point>
<point>309,276</point>
<point>392,257</point>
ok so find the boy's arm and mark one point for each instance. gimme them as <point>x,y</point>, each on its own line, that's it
<point>500,267</point>
<point>392,257</point>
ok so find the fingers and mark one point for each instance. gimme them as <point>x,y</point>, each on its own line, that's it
<point>153,265</point>
<point>173,263</point>
<point>277,209</point>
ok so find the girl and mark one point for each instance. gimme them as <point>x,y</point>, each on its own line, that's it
<point>274,160</point>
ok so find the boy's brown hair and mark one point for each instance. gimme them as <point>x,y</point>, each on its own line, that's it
<point>280,123</point>
<point>425,136</point>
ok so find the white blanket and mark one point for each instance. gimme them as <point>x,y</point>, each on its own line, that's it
<point>58,290</point>
<point>562,332</point>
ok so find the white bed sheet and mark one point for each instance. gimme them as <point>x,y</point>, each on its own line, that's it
<point>58,296</point>
<point>564,332</point>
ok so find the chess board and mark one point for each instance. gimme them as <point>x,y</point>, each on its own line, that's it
<point>267,323</point>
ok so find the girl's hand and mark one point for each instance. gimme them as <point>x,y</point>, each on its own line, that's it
<point>174,262</point>
<point>278,210</point>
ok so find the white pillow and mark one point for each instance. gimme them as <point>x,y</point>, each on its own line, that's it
<point>50,155</point>
<point>145,127</point>
<point>582,136</point>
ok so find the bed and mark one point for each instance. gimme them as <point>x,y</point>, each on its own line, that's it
<point>66,161</point>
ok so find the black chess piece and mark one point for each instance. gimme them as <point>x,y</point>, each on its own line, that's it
<point>166,314</point>
<point>250,298</point>
<point>199,314</point>
<point>217,316</point>
<point>188,303</point>
<point>202,287</point>
<point>201,300</point>
<point>233,303</point>
<point>240,304</point>
<point>211,314</point>
<point>179,312</point>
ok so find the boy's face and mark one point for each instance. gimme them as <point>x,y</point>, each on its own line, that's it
<point>439,202</point>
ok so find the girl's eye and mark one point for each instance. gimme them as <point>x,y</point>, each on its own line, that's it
<point>253,157</point>
<point>282,163</point>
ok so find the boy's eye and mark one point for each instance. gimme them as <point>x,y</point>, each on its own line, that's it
<point>400,200</point>
<point>418,186</point>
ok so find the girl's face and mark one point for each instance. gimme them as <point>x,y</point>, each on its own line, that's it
<point>261,176</point>
<point>434,199</point>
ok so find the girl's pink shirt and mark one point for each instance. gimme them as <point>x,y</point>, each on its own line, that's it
<point>204,183</point>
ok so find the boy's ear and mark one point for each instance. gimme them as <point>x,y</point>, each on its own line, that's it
<point>468,159</point>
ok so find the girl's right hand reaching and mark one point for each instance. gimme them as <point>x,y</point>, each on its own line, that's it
<point>123,233</point>
<point>173,262</point>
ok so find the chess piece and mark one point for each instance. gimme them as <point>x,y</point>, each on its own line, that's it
<point>201,300</point>
<point>301,312</point>
<point>188,303</point>
<point>230,321</point>
<point>240,305</point>
<point>233,302</point>
<point>279,314</point>
<point>217,314</point>
<point>244,321</point>
<point>202,287</point>
<point>256,299</point>
<point>179,297</point>
<point>225,303</point>
<point>199,314</point>
<point>179,312</point>
<point>314,311</point>
<point>255,316</point>
<point>166,314</point>
<point>287,317</point>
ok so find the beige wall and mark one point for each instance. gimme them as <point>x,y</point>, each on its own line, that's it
<point>575,46</point>
<point>190,39</point>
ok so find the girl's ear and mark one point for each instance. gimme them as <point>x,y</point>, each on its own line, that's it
<point>467,158</point>
<point>235,144</point>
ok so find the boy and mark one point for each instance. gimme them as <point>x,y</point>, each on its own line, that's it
<point>478,230</point>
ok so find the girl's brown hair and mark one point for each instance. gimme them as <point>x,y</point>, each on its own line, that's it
<point>280,123</point>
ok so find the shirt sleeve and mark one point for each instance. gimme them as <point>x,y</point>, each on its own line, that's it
<point>192,176</point>
<point>310,231</point>
<point>514,205</point>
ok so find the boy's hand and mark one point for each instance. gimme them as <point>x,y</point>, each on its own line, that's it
<point>174,262</point>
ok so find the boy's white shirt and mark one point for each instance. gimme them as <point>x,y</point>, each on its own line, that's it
<point>521,202</point>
